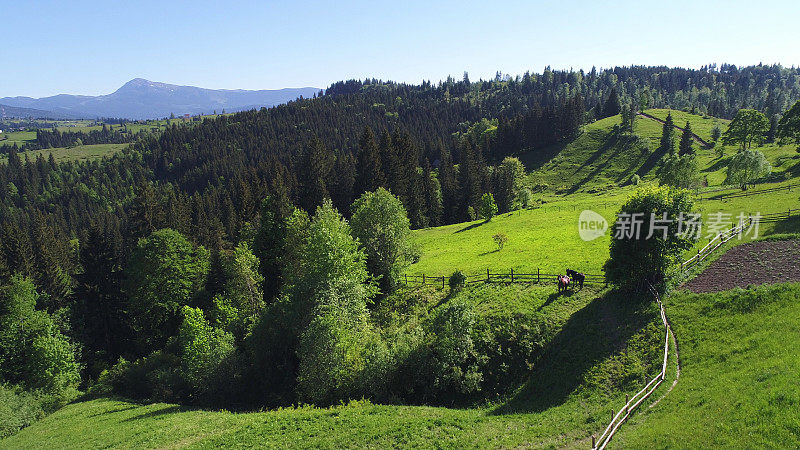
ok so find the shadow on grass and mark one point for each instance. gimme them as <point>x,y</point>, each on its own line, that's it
<point>553,297</point>
<point>719,164</point>
<point>159,412</point>
<point>489,252</point>
<point>651,162</point>
<point>589,336</point>
<point>469,227</point>
<point>790,225</point>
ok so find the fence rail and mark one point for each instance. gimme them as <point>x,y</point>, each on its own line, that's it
<point>537,277</point>
<point>715,243</point>
<point>631,403</point>
<point>750,193</point>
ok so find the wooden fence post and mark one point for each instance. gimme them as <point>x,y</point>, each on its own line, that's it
<point>423,279</point>
<point>512,274</point>
<point>406,277</point>
<point>626,404</point>
<point>594,443</point>
<point>442,281</point>
<point>488,278</point>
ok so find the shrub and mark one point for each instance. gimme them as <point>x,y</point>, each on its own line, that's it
<point>18,409</point>
<point>453,367</point>
<point>457,280</point>
<point>471,214</point>
<point>203,352</point>
<point>636,179</point>
<point>488,207</point>
<point>500,239</point>
<point>639,258</point>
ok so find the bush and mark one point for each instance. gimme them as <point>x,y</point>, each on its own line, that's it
<point>471,214</point>
<point>636,179</point>
<point>640,258</point>
<point>18,409</point>
<point>457,280</point>
<point>203,352</point>
<point>500,239</point>
<point>453,369</point>
<point>488,207</point>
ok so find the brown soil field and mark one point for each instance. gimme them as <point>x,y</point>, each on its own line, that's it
<point>749,264</point>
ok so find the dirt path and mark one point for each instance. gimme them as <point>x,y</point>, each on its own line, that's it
<point>755,263</point>
<point>697,138</point>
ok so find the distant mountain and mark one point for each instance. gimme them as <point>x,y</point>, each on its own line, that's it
<point>14,112</point>
<point>143,99</point>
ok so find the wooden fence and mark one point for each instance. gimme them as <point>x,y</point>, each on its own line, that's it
<point>751,193</point>
<point>715,243</point>
<point>722,238</point>
<point>538,277</point>
<point>631,403</point>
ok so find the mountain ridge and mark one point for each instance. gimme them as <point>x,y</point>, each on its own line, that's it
<point>140,98</point>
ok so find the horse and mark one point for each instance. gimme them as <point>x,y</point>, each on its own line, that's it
<point>577,276</point>
<point>563,282</point>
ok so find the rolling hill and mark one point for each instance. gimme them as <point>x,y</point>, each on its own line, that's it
<point>144,99</point>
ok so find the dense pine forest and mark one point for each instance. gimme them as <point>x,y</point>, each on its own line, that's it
<point>212,207</point>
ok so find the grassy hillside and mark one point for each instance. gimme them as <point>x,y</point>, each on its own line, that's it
<point>738,386</point>
<point>599,158</point>
<point>582,370</point>
<point>547,237</point>
<point>77,153</point>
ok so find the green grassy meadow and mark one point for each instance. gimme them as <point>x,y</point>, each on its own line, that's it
<point>598,159</point>
<point>574,385</point>
<point>738,386</point>
<point>75,154</point>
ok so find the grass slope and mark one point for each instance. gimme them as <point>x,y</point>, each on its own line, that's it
<point>547,237</point>
<point>599,159</point>
<point>566,399</point>
<point>739,385</point>
<point>75,154</point>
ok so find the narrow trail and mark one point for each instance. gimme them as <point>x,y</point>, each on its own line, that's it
<point>697,138</point>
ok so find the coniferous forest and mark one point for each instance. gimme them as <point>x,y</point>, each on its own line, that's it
<point>188,267</point>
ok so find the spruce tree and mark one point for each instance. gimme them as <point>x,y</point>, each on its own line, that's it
<point>685,146</point>
<point>668,135</point>
<point>369,173</point>
<point>315,165</point>
<point>612,106</point>
<point>450,189</point>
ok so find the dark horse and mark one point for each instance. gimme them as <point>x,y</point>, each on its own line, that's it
<point>563,282</point>
<point>577,276</point>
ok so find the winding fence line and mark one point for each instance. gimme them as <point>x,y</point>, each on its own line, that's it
<point>715,243</point>
<point>750,193</point>
<point>496,277</point>
<point>631,403</point>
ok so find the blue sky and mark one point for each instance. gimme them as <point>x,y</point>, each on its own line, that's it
<point>94,47</point>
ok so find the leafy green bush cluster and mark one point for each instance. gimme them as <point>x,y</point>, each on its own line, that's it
<point>38,368</point>
<point>321,335</point>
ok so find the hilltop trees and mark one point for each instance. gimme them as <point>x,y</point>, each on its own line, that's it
<point>748,124</point>
<point>612,105</point>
